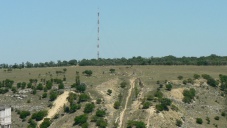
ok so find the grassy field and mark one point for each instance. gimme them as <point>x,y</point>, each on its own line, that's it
<point>209,103</point>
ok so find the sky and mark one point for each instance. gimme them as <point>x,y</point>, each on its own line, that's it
<point>41,30</point>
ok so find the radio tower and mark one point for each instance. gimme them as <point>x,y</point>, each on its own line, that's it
<point>98,39</point>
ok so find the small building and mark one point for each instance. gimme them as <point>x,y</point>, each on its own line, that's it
<point>5,117</point>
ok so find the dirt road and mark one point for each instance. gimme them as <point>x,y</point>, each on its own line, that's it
<point>57,105</point>
<point>132,84</point>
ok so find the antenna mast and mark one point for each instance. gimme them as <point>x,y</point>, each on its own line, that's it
<point>98,38</point>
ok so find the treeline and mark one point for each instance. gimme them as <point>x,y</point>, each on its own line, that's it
<point>167,60</point>
<point>37,65</point>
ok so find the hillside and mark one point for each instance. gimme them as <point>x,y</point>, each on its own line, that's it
<point>116,96</point>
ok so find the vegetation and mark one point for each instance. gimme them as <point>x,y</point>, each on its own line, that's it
<point>101,123</point>
<point>46,123</point>
<point>199,121</point>
<point>179,123</point>
<point>39,115</point>
<point>137,124</point>
<point>117,105</point>
<point>24,114</point>
<point>87,72</point>
<point>188,95</point>
<point>123,84</point>
<point>169,87</point>
<point>80,120</point>
<point>89,107</point>
<point>100,113</point>
<point>83,97</point>
<point>146,105</point>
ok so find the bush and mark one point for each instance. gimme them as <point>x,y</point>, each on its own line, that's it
<point>109,92</point>
<point>117,105</point>
<point>46,123</point>
<point>98,101</point>
<point>216,117</point>
<point>71,97</point>
<point>179,123</point>
<point>188,95</point>
<point>61,86</point>
<point>196,76</point>
<point>39,87</point>
<point>87,72</point>
<point>223,114</point>
<point>79,120</point>
<point>146,105</point>
<point>112,70</point>
<point>158,94</point>
<point>83,97</point>
<point>24,114</point>
<point>44,95</point>
<point>180,77</point>
<point>199,121</point>
<point>39,115</point>
<point>137,124</point>
<point>81,87</point>
<point>150,97</point>
<point>169,87</point>
<point>100,113</point>
<point>74,107</point>
<point>123,84</point>
<point>53,95</point>
<point>101,123</point>
<point>89,107</point>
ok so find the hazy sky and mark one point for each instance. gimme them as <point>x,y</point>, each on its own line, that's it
<point>45,30</point>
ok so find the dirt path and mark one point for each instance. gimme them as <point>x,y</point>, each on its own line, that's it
<point>57,105</point>
<point>151,111</point>
<point>132,83</point>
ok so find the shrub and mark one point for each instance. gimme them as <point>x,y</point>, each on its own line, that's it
<point>208,120</point>
<point>199,121</point>
<point>137,124</point>
<point>146,105</point>
<point>71,97</point>
<point>109,91</point>
<point>39,115</point>
<point>89,107</point>
<point>158,94</point>
<point>74,107</point>
<point>79,120</point>
<point>98,101</point>
<point>100,113</point>
<point>85,125</point>
<point>53,95</point>
<point>87,72</point>
<point>83,97</point>
<point>179,123</point>
<point>169,87</point>
<point>39,87</point>
<point>112,70</point>
<point>180,77</point>
<point>188,95</point>
<point>123,84</point>
<point>44,95</point>
<point>46,123</point>
<point>150,97</point>
<point>24,114</point>
<point>101,123</point>
<point>223,114</point>
<point>61,86</point>
<point>216,117</point>
<point>81,87</point>
<point>117,105</point>
<point>196,76</point>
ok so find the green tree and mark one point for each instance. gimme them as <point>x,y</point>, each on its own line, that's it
<point>117,105</point>
<point>53,95</point>
<point>179,123</point>
<point>87,72</point>
<point>112,70</point>
<point>89,107</point>
<point>169,87</point>
<point>109,91</point>
<point>180,77</point>
<point>102,123</point>
<point>83,97</point>
<point>46,123</point>
<point>79,120</point>
<point>61,86</point>
<point>199,121</point>
<point>100,113</point>
<point>24,114</point>
<point>196,76</point>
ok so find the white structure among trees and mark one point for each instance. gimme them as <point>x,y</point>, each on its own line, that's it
<point>5,117</point>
